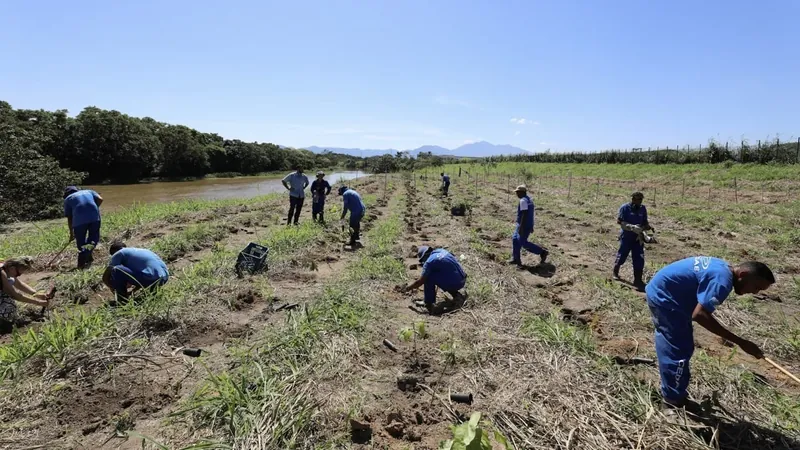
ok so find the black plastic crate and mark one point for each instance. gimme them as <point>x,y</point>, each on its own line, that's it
<point>253,259</point>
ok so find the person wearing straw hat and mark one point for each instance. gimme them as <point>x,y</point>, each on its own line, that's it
<point>82,210</point>
<point>689,290</point>
<point>13,289</point>
<point>440,269</point>
<point>525,219</point>
<point>320,189</point>
<point>632,218</point>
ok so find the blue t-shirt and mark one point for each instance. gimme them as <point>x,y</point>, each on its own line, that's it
<point>82,207</point>
<point>633,217</point>
<point>352,202</point>
<point>446,178</point>
<point>144,264</point>
<point>526,208</point>
<point>297,184</point>
<point>321,187</point>
<point>682,284</point>
<point>443,268</point>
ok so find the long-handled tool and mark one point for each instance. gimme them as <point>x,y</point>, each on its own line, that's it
<point>58,254</point>
<point>778,366</point>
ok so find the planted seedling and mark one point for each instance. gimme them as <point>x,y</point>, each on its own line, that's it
<point>411,333</point>
<point>470,436</point>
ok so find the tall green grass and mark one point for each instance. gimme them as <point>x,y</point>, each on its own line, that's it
<point>51,237</point>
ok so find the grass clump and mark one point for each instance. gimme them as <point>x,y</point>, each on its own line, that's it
<point>193,238</point>
<point>553,331</point>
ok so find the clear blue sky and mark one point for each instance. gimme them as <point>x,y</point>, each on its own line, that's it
<point>380,74</point>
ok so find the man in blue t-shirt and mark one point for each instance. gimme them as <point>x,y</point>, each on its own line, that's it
<point>320,189</point>
<point>351,201</point>
<point>139,268</point>
<point>440,269</point>
<point>82,210</point>
<point>632,218</point>
<point>524,228</point>
<point>445,184</point>
<point>689,290</point>
<point>296,183</point>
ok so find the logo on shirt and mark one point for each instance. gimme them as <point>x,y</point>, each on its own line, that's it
<point>701,263</point>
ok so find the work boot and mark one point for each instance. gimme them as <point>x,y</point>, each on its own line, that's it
<point>514,262</point>
<point>322,218</point>
<point>616,272</point>
<point>81,260</point>
<point>543,256</point>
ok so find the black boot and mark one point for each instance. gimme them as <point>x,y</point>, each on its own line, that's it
<point>616,272</point>
<point>322,218</point>
<point>81,260</point>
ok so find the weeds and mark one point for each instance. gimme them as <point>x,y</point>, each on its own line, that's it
<point>553,331</point>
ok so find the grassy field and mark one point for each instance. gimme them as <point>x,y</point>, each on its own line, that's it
<point>546,351</point>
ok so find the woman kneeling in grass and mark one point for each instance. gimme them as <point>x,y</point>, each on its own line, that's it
<point>13,289</point>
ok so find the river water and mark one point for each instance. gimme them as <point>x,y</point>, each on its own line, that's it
<point>118,195</point>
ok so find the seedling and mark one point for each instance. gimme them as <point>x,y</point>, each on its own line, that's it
<point>470,436</point>
<point>411,333</point>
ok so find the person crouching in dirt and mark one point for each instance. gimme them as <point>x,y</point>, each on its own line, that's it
<point>138,268</point>
<point>82,210</point>
<point>689,290</point>
<point>525,219</point>
<point>13,289</point>
<point>632,217</point>
<point>440,269</point>
<point>320,189</point>
<point>445,184</point>
<point>351,201</point>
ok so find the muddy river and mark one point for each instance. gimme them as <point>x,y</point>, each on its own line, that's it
<point>117,195</point>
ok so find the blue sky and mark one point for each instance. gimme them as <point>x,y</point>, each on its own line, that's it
<point>564,75</point>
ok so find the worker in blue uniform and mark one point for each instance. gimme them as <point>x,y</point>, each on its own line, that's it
<point>445,184</point>
<point>524,228</point>
<point>632,218</point>
<point>351,201</point>
<point>82,210</point>
<point>440,269</point>
<point>138,268</point>
<point>689,290</point>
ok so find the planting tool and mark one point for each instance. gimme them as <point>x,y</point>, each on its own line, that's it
<point>58,254</point>
<point>389,345</point>
<point>778,366</point>
<point>461,398</point>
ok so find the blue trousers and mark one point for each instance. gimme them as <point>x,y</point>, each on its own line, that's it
<point>431,285</point>
<point>122,276</point>
<point>626,246</point>
<point>318,206</point>
<point>355,224</point>
<point>87,236</point>
<point>520,240</point>
<point>446,187</point>
<point>674,348</point>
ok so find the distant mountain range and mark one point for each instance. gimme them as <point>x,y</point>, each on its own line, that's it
<point>473,150</point>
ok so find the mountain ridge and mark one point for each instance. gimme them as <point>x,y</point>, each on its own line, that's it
<point>471,150</point>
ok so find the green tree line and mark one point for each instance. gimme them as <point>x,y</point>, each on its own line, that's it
<point>43,151</point>
<point>767,152</point>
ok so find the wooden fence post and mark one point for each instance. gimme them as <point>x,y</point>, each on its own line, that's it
<point>508,197</point>
<point>735,190</point>
<point>654,196</point>
<point>683,189</point>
